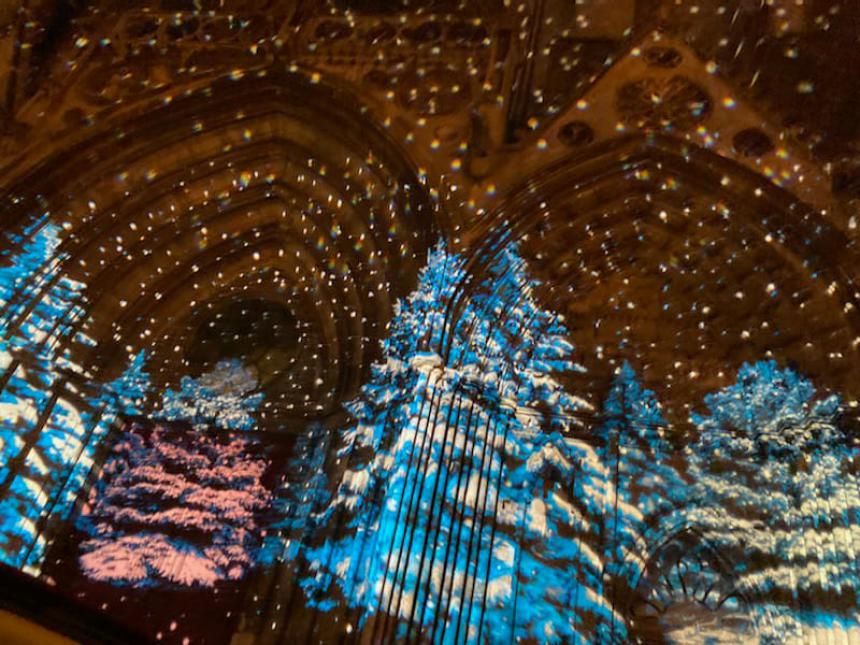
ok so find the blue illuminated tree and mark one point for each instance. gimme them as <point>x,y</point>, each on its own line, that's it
<point>646,483</point>
<point>43,434</point>
<point>773,490</point>
<point>469,510</point>
<point>303,491</point>
<point>129,392</point>
<point>26,271</point>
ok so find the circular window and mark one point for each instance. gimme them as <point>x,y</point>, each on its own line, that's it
<point>752,142</point>
<point>576,133</point>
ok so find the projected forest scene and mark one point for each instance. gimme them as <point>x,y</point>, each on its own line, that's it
<point>383,322</point>
<point>476,498</point>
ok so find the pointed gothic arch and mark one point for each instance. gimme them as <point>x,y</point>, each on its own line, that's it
<point>298,194</point>
<point>687,592</point>
<point>718,223</point>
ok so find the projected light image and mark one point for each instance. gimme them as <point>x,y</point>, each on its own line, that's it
<point>429,321</point>
<point>165,512</point>
<point>467,500</point>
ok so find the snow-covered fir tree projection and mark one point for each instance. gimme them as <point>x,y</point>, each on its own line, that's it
<point>179,506</point>
<point>47,438</point>
<point>174,506</point>
<point>646,488</point>
<point>224,397</point>
<point>471,497</point>
<point>471,512</point>
<point>302,492</point>
<point>50,427</point>
<point>773,489</point>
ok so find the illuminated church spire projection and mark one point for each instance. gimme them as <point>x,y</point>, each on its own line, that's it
<point>647,486</point>
<point>773,490</point>
<point>471,513</point>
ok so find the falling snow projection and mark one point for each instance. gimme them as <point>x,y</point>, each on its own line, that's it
<point>775,492</point>
<point>471,514</point>
<point>469,508</point>
<point>174,507</point>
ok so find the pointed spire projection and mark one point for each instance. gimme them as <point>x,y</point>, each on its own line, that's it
<point>470,510</point>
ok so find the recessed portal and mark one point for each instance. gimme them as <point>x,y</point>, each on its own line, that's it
<point>259,333</point>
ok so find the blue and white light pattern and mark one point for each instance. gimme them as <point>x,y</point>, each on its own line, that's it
<point>46,438</point>
<point>478,518</point>
<point>476,498</point>
<point>477,515</point>
<point>774,487</point>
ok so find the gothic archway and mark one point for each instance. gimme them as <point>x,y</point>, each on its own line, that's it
<point>687,593</point>
<point>655,248</point>
<point>299,197</point>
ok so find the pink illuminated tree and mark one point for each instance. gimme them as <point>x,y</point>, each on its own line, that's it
<point>174,507</point>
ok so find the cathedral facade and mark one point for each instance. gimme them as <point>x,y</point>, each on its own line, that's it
<point>456,321</point>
